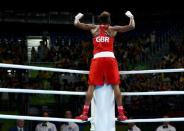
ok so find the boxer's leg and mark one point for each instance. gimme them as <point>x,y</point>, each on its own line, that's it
<point>89,96</point>
<point>118,96</point>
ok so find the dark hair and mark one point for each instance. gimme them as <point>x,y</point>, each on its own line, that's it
<point>104,18</point>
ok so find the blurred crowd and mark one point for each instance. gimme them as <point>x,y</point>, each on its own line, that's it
<point>76,54</point>
<point>13,50</point>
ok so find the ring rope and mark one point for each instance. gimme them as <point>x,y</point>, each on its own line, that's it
<point>177,119</point>
<point>40,118</point>
<point>83,93</point>
<point>2,65</point>
<point>29,91</point>
<point>35,118</point>
<point>42,68</point>
<point>41,91</point>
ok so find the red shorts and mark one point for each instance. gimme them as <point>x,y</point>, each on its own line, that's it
<point>104,70</point>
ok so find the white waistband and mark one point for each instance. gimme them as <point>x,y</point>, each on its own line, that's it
<point>104,54</point>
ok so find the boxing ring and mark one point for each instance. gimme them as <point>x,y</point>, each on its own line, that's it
<point>103,99</point>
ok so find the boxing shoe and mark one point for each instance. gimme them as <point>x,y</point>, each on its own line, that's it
<point>121,114</point>
<point>84,115</point>
<point>122,117</point>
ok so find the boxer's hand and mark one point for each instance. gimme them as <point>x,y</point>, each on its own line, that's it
<point>129,14</point>
<point>77,17</point>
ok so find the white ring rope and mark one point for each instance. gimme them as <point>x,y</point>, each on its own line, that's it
<point>41,91</point>
<point>29,91</point>
<point>152,71</point>
<point>87,72</point>
<point>42,68</point>
<point>40,118</point>
<point>178,119</point>
<point>153,93</point>
<point>83,93</point>
<point>35,118</point>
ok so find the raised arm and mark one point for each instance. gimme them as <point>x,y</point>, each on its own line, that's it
<point>128,27</point>
<point>83,26</point>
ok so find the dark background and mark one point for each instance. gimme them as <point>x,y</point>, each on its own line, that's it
<point>145,12</point>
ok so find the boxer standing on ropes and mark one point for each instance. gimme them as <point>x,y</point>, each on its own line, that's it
<point>104,66</point>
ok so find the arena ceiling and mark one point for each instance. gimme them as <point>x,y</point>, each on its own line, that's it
<point>143,10</point>
<point>95,6</point>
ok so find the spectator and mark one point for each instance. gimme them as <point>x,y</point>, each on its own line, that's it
<point>133,127</point>
<point>45,126</point>
<point>69,126</point>
<point>166,126</point>
<point>19,126</point>
<point>33,54</point>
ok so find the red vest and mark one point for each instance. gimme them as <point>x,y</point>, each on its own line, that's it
<point>103,42</point>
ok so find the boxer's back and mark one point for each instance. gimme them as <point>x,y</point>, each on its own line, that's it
<point>102,39</point>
